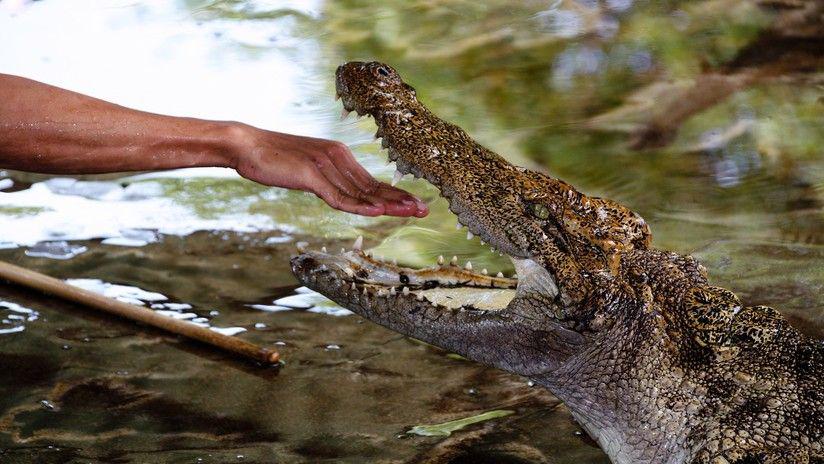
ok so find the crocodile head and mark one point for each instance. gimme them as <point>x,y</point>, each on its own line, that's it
<point>596,314</point>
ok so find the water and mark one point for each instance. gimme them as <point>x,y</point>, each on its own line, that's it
<point>562,86</point>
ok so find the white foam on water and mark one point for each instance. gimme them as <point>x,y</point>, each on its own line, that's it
<point>71,215</point>
<point>14,316</point>
<point>138,296</point>
<point>125,293</point>
<point>308,300</point>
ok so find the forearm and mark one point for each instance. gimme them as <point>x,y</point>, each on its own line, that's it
<point>52,130</point>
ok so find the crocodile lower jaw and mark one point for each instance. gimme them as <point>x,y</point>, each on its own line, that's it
<point>444,284</point>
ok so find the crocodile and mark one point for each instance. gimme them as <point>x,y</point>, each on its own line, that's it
<point>654,362</point>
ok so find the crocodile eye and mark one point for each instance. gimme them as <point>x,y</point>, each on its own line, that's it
<point>382,71</point>
<point>540,211</point>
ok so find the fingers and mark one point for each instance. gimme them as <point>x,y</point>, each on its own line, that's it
<point>395,196</point>
<point>396,201</point>
<point>338,199</point>
<point>342,183</point>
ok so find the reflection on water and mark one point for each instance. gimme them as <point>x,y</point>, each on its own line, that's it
<point>652,104</point>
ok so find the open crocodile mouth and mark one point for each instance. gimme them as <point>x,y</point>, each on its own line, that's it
<point>359,275</point>
<point>355,279</point>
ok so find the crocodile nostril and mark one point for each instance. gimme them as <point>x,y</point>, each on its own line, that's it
<point>302,264</point>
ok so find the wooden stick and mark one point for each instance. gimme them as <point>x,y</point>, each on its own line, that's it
<point>58,288</point>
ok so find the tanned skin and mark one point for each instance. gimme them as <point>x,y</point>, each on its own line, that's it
<point>51,130</point>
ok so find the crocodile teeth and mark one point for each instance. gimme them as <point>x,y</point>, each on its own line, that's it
<point>396,178</point>
<point>469,235</point>
<point>302,247</point>
<point>458,226</point>
<point>419,297</point>
<point>454,261</point>
<point>323,249</point>
<point>381,292</point>
<point>353,287</point>
<point>440,260</point>
<point>484,271</point>
<point>405,290</point>
<point>344,114</point>
<point>392,291</point>
<point>500,275</point>
<point>394,262</point>
<point>468,266</point>
<point>343,251</point>
<point>358,243</point>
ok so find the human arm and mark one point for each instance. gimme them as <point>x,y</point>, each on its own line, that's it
<point>51,130</point>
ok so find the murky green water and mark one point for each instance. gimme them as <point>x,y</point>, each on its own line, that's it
<point>596,93</point>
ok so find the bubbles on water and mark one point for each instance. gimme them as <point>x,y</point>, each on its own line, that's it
<point>304,299</point>
<point>157,301</point>
<point>172,306</point>
<point>13,317</point>
<point>269,308</point>
<point>133,238</point>
<point>278,239</point>
<point>47,405</point>
<point>299,301</point>
<point>124,293</point>
<point>55,250</point>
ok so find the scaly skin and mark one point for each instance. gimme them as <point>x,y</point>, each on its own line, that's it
<point>656,364</point>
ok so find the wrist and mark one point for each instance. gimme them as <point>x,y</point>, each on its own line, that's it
<point>232,141</point>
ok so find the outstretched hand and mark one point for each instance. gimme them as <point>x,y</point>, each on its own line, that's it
<point>324,167</point>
